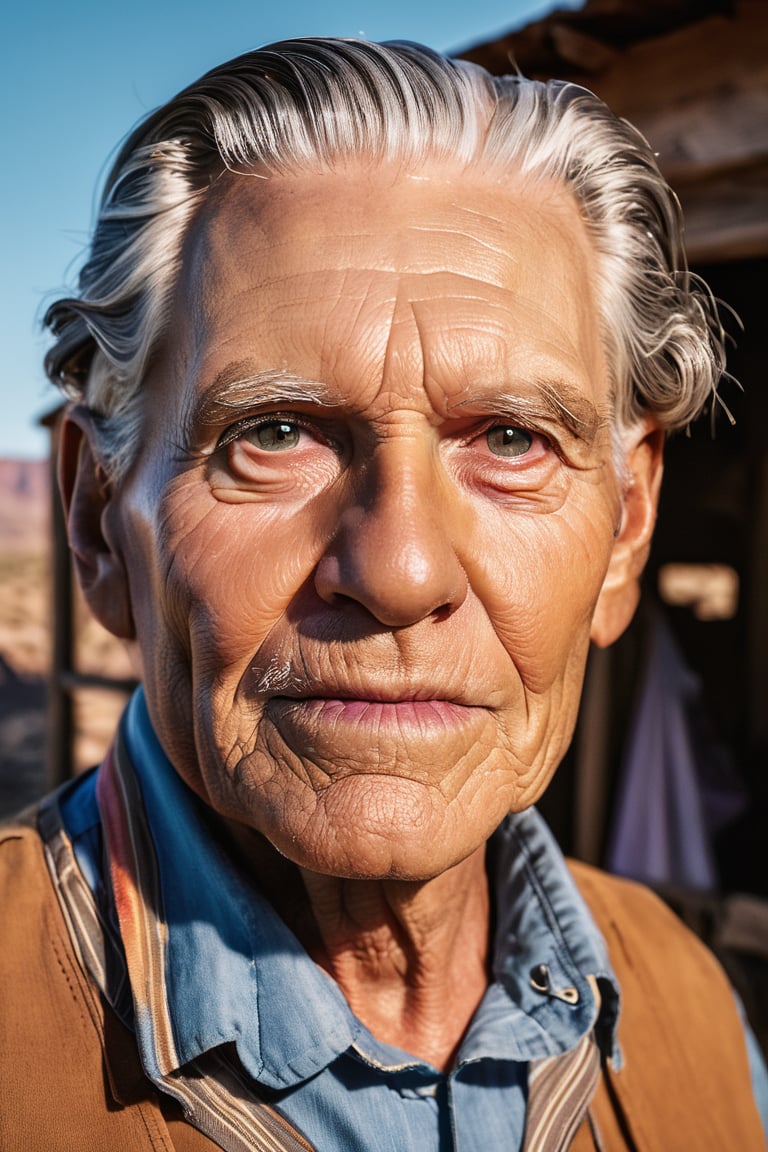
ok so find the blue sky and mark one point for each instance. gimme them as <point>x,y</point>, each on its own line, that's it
<point>75,77</point>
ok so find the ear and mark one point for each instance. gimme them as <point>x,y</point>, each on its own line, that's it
<point>620,591</point>
<point>87,495</point>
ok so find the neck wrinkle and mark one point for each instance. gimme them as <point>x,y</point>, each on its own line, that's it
<point>411,959</point>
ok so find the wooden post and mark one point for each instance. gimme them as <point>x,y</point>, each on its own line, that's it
<point>60,730</point>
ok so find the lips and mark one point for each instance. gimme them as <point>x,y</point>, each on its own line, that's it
<point>375,709</point>
<point>280,681</point>
<point>365,705</point>
<point>314,721</point>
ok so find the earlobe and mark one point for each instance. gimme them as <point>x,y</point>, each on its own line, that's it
<point>87,496</point>
<point>620,591</point>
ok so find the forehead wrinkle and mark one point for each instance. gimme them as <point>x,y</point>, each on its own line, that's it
<point>365,300</point>
<point>468,210</point>
<point>499,251</point>
<point>403,354</point>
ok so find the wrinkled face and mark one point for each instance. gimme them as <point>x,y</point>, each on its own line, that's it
<point>373,510</point>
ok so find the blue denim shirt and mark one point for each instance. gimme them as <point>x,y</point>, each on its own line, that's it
<point>236,974</point>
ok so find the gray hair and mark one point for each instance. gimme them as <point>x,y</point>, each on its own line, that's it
<point>306,104</point>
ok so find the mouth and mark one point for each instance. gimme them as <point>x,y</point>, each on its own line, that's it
<point>376,707</point>
<point>290,681</point>
<point>375,716</point>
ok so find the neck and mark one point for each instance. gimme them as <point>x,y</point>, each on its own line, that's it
<point>410,957</point>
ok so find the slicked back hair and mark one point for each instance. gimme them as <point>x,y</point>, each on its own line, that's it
<point>307,105</point>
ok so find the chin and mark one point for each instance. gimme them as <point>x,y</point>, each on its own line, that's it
<point>364,861</point>
<point>381,836</point>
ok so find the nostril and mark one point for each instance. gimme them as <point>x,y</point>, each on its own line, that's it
<point>328,580</point>
<point>445,610</point>
<point>395,560</point>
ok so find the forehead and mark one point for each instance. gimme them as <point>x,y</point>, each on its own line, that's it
<point>372,278</point>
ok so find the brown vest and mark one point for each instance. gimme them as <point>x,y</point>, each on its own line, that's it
<point>70,1078</point>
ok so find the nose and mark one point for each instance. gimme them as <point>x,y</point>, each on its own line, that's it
<point>394,549</point>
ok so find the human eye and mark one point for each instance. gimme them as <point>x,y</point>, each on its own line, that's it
<point>505,444</point>
<point>508,441</point>
<point>269,433</point>
<point>503,456</point>
<point>275,435</point>
<point>281,451</point>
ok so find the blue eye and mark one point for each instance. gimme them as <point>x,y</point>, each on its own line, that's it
<point>275,436</point>
<point>506,440</point>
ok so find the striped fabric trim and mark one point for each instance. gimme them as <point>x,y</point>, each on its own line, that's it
<point>77,903</point>
<point>560,1089</point>
<point>136,892</point>
<point>215,1096</point>
<point>219,1101</point>
<point>92,938</point>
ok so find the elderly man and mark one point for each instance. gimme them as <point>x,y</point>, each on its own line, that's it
<point>370,367</point>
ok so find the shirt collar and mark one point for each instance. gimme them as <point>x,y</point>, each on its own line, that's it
<point>235,973</point>
<point>549,956</point>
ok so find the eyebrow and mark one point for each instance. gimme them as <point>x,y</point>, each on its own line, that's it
<point>547,400</point>
<point>240,388</point>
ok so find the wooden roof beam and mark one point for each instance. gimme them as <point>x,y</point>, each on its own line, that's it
<point>586,53</point>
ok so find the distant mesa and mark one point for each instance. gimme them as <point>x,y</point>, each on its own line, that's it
<point>24,505</point>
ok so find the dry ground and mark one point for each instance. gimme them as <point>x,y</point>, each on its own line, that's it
<point>25,647</point>
<point>25,611</point>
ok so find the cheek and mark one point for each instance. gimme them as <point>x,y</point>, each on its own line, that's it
<point>234,574</point>
<point>539,577</point>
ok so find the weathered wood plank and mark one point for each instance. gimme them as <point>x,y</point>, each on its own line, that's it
<point>726,215</point>
<point>700,95</point>
<point>586,52</point>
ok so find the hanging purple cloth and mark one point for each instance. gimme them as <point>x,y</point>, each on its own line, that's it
<point>660,830</point>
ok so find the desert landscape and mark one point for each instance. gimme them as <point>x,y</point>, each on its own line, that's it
<point>25,643</point>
